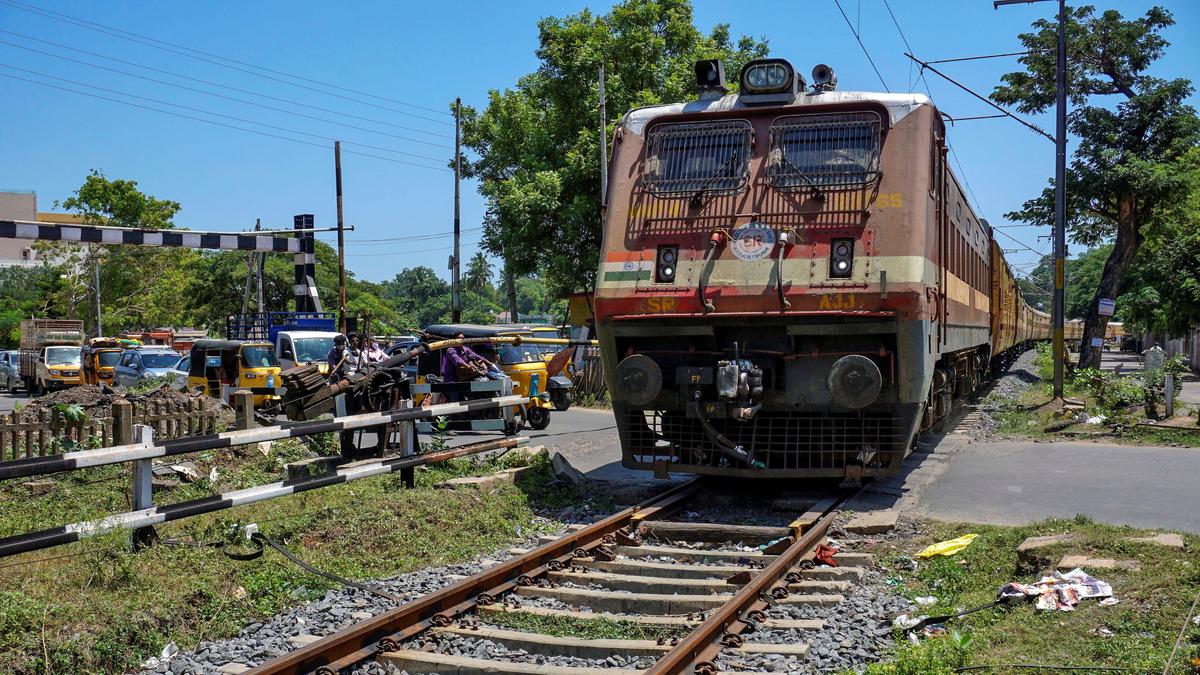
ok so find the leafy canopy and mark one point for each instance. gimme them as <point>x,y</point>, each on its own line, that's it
<point>538,144</point>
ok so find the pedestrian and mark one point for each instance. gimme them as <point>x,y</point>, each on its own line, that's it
<point>337,359</point>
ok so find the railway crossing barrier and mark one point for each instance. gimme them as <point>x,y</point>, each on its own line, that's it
<point>140,448</point>
<point>502,387</point>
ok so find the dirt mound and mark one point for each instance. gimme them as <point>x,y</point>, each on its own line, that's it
<point>96,399</point>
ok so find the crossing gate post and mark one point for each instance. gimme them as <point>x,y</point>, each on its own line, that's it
<point>143,489</point>
<point>243,410</point>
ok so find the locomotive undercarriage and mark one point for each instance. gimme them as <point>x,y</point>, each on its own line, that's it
<point>795,400</point>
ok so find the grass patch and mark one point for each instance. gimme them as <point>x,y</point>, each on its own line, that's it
<point>587,629</point>
<point>98,608</point>
<point>1136,634</point>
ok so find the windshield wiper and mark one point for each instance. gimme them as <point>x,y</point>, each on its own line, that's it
<point>818,194</point>
<point>698,196</point>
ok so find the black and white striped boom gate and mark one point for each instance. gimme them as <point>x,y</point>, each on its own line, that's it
<point>154,515</point>
<point>501,388</point>
<point>33,466</point>
<point>303,245</point>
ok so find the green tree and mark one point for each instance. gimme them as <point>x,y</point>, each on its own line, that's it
<point>1162,291</point>
<point>1129,164</point>
<point>138,285</point>
<point>537,144</point>
<point>479,275</point>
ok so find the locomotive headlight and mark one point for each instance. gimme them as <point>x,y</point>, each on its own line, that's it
<point>664,270</point>
<point>767,76</point>
<point>841,258</point>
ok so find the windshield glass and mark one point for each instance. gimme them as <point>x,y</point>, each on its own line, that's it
<point>62,356</point>
<point>510,354</point>
<point>691,157</point>
<point>108,359</point>
<point>312,348</point>
<point>160,360</point>
<point>259,356</point>
<point>825,150</point>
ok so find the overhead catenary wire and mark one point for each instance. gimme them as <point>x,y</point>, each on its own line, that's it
<point>218,114</point>
<point>224,96</point>
<point>375,254</point>
<point>208,57</point>
<point>219,124</point>
<point>415,237</point>
<point>863,46</point>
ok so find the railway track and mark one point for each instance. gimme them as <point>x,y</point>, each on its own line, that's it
<point>709,599</point>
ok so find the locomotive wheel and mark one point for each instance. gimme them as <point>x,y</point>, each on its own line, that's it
<point>539,418</point>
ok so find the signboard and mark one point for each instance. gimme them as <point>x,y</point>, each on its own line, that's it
<point>753,241</point>
<point>1097,342</point>
<point>1059,275</point>
<point>1107,306</point>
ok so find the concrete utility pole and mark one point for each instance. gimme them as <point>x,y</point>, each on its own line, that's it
<point>603,142</point>
<point>455,262</point>
<point>341,231</point>
<point>96,281</point>
<point>262,264</point>
<point>1058,317</point>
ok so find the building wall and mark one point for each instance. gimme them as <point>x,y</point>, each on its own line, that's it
<point>17,205</point>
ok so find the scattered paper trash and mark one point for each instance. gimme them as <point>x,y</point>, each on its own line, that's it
<point>167,652</point>
<point>933,630</point>
<point>186,471</point>
<point>1196,619</point>
<point>212,475</point>
<point>1061,591</point>
<point>904,621</point>
<point>925,600</point>
<point>949,547</point>
<point>1098,419</point>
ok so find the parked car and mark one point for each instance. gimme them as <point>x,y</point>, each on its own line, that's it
<point>10,370</point>
<point>401,346</point>
<point>179,372</point>
<point>137,365</point>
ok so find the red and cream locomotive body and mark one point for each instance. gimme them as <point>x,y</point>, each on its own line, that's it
<point>792,282</point>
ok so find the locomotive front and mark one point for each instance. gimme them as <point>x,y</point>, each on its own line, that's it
<point>764,301</point>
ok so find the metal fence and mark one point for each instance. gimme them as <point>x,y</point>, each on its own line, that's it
<point>37,433</point>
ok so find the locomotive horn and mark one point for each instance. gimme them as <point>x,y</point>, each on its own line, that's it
<point>824,79</point>
<point>854,381</point>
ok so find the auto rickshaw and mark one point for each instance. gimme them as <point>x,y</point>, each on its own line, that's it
<point>221,367</point>
<point>99,360</point>
<point>522,363</point>
<point>558,365</point>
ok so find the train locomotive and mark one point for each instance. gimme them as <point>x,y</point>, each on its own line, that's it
<point>792,282</point>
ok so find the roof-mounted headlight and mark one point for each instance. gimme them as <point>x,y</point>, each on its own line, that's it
<point>768,76</point>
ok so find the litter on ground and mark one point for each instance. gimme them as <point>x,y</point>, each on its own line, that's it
<point>949,547</point>
<point>1061,591</point>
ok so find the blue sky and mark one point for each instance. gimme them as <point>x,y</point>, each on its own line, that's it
<point>424,55</point>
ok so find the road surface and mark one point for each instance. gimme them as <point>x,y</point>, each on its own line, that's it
<point>1013,482</point>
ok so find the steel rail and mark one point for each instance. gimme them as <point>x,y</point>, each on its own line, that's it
<point>746,608</point>
<point>387,631</point>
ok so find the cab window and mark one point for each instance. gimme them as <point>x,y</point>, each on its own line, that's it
<point>824,150</point>
<point>511,354</point>
<point>688,158</point>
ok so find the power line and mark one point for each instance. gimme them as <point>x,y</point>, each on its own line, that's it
<point>176,49</point>
<point>217,114</point>
<point>219,85</point>
<point>402,252</point>
<point>415,237</point>
<point>974,58</point>
<point>215,123</point>
<point>860,44</point>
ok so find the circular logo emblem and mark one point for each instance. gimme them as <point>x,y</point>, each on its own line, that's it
<point>753,241</point>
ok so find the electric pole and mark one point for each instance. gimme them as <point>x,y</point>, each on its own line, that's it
<point>1058,316</point>
<point>455,297</point>
<point>341,232</point>
<point>603,143</point>
<point>262,263</point>
<point>96,281</point>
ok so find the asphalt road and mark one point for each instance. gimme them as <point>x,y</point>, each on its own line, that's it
<point>1009,483</point>
<point>7,402</point>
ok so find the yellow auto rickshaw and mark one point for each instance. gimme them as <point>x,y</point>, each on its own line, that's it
<point>221,367</point>
<point>99,360</point>
<point>523,363</point>
<point>559,366</point>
